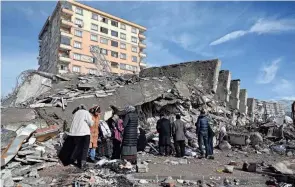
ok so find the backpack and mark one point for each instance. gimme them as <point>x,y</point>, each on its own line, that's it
<point>105,130</point>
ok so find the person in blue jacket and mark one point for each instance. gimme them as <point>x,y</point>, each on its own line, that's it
<point>202,126</point>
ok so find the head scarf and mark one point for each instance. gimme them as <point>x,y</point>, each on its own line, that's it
<point>95,109</point>
<point>129,108</point>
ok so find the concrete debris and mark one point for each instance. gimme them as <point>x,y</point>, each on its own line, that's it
<point>40,110</point>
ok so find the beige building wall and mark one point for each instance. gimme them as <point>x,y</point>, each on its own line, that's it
<point>67,54</point>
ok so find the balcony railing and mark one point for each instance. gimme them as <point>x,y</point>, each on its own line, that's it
<point>67,12</point>
<point>142,45</point>
<point>141,54</point>
<point>141,36</point>
<point>66,22</point>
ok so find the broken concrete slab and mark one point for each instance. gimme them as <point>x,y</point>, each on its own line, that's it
<point>223,88</point>
<point>7,136</point>
<point>12,150</point>
<point>203,73</point>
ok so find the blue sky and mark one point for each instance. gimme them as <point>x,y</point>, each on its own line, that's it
<point>254,40</point>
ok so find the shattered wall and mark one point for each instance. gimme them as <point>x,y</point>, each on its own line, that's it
<point>251,106</point>
<point>243,101</point>
<point>223,87</point>
<point>202,73</point>
<point>234,99</point>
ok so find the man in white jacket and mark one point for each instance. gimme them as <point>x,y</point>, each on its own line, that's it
<point>77,143</point>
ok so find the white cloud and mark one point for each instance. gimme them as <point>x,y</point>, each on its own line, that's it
<point>268,72</point>
<point>262,26</point>
<point>230,36</point>
<point>273,26</point>
<point>28,11</point>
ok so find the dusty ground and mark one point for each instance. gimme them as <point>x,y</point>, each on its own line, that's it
<point>196,169</point>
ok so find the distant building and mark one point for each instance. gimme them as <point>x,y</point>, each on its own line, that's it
<point>74,28</point>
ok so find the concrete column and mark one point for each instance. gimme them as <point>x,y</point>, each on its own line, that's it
<point>251,107</point>
<point>243,101</point>
<point>234,100</point>
<point>223,87</point>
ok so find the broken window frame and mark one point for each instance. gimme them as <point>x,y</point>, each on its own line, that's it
<point>104,30</point>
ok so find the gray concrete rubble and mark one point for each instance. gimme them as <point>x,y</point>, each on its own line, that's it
<point>46,101</point>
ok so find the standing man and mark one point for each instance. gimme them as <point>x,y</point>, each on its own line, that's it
<point>164,130</point>
<point>202,133</point>
<point>178,130</point>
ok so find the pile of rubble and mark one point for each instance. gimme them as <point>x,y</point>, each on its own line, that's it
<point>46,100</point>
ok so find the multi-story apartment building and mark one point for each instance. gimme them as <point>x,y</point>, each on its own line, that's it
<point>68,35</point>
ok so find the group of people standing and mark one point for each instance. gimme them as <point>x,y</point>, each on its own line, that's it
<point>87,129</point>
<point>177,131</point>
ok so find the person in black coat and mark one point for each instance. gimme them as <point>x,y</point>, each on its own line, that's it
<point>164,130</point>
<point>129,143</point>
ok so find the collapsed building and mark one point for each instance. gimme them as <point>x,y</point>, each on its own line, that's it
<point>174,88</point>
<point>44,102</point>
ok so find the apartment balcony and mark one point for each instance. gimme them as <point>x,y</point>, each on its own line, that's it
<point>141,36</point>
<point>67,23</point>
<point>64,59</point>
<point>66,33</point>
<point>143,64</point>
<point>142,45</point>
<point>65,47</point>
<point>67,12</point>
<point>143,55</point>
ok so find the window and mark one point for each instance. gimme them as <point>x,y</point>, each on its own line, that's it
<point>114,54</point>
<point>122,45</point>
<point>65,40</point>
<point>78,21</point>
<point>76,69</point>
<point>104,30</point>
<point>114,23</point>
<point>115,65</point>
<point>103,51</point>
<point>134,39</point>
<point>63,67</point>
<point>104,20</point>
<point>77,56</point>
<point>78,33</point>
<point>134,30</point>
<point>78,45</point>
<point>104,40</point>
<point>123,56</point>
<point>94,27</point>
<point>94,16</point>
<point>114,33</point>
<point>94,37</point>
<point>134,58</point>
<point>92,71</point>
<point>123,36</point>
<point>128,67</point>
<point>123,26</point>
<point>114,43</point>
<point>79,11</point>
<point>134,49</point>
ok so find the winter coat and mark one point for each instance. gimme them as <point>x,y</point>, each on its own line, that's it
<point>82,119</point>
<point>94,130</point>
<point>164,130</point>
<point>130,129</point>
<point>202,125</point>
<point>178,129</point>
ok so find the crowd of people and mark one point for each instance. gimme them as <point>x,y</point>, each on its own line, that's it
<point>120,137</point>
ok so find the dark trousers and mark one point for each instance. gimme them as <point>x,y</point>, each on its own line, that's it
<point>180,148</point>
<point>164,145</point>
<point>203,140</point>
<point>210,146</point>
<point>116,149</point>
<point>75,148</point>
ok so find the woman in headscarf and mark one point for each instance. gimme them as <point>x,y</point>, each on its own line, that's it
<point>117,135</point>
<point>77,142</point>
<point>129,143</point>
<point>95,112</point>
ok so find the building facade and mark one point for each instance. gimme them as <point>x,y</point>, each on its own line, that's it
<point>70,35</point>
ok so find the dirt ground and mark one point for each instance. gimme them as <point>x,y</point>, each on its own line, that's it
<point>196,169</point>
